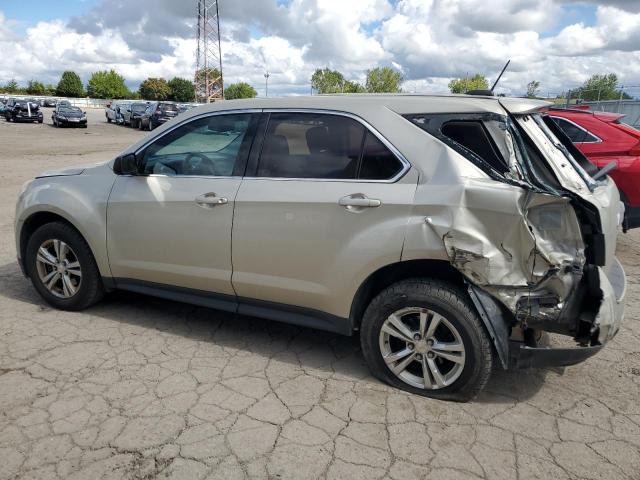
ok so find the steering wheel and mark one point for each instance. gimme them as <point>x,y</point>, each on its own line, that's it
<point>204,166</point>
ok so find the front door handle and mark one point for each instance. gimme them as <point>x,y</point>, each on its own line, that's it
<point>208,200</point>
<point>358,201</point>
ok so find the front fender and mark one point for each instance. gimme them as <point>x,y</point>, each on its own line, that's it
<point>80,199</point>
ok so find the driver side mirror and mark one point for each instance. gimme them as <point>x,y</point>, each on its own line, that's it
<point>126,165</point>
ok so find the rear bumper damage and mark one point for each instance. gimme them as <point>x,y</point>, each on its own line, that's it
<point>608,320</point>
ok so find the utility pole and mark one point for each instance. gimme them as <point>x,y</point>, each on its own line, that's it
<point>208,80</point>
<point>266,84</point>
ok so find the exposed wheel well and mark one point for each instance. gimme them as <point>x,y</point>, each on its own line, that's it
<point>34,222</point>
<point>385,276</point>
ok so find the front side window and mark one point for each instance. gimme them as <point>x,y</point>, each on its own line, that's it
<point>323,146</point>
<point>575,133</point>
<point>209,146</point>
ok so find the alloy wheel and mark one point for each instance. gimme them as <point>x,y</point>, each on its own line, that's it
<point>422,348</point>
<point>59,268</point>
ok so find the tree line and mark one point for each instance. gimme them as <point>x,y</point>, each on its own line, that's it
<point>111,85</point>
<point>597,87</point>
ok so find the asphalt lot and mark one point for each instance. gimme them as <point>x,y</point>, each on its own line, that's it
<point>137,387</point>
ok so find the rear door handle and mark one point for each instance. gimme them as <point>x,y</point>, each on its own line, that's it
<point>359,200</point>
<point>208,200</point>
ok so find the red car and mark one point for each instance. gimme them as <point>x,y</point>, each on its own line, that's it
<point>602,137</point>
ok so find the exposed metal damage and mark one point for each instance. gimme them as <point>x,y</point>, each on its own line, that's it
<point>529,244</point>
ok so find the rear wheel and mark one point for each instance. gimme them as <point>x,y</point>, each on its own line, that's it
<point>62,268</point>
<point>424,336</point>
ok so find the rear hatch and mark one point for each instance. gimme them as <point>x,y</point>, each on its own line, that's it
<point>574,174</point>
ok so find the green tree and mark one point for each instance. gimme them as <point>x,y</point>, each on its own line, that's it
<point>383,80</point>
<point>49,89</point>
<point>35,88</point>
<point>463,85</point>
<point>11,86</point>
<point>325,81</point>
<point>107,84</point>
<point>182,90</point>
<point>155,89</point>
<point>600,87</point>
<point>239,90</point>
<point>353,87</point>
<point>70,85</point>
<point>532,88</point>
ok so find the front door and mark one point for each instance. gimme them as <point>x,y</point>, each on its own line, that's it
<point>171,224</point>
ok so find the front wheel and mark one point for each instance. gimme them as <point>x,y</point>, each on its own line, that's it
<point>62,268</point>
<point>424,336</point>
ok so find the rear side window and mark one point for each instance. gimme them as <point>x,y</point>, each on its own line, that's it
<point>474,136</point>
<point>482,137</point>
<point>575,133</point>
<point>323,146</point>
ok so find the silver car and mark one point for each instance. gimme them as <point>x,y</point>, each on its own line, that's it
<point>449,232</point>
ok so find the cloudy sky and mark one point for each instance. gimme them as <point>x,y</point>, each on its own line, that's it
<point>558,42</point>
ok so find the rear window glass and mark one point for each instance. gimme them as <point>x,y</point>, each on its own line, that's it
<point>575,133</point>
<point>324,146</point>
<point>378,163</point>
<point>168,107</point>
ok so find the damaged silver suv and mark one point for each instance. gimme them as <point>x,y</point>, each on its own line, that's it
<point>450,232</point>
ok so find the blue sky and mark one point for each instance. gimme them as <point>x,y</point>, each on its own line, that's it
<point>33,11</point>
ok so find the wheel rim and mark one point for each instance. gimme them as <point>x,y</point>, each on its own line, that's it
<point>422,348</point>
<point>59,268</point>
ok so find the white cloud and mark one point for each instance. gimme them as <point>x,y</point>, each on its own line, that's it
<point>430,41</point>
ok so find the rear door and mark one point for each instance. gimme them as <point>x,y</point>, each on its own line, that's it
<point>325,203</point>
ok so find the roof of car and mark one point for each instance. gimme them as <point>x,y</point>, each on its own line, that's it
<point>400,103</point>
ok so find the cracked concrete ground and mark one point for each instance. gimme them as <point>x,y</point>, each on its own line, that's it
<point>141,388</point>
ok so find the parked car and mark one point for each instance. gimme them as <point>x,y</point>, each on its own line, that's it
<point>63,103</point>
<point>50,102</point>
<point>23,111</point>
<point>156,114</point>
<point>132,114</point>
<point>66,116</point>
<point>449,241</point>
<point>604,137</point>
<point>114,111</point>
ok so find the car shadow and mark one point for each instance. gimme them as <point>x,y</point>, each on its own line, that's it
<point>255,335</point>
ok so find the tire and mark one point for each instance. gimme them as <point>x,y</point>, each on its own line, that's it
<point>464,378</point>
<point>150,125</point>
<point>108,119</point>
<point>89,286</point>
<point>40,120</point>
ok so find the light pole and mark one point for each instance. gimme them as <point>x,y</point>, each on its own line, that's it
<point>266,84</point>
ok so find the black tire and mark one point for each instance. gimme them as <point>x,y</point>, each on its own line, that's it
<point>450,302</point>
<point>108,119</point>
<point>90,290</point>
<point>40,120</point>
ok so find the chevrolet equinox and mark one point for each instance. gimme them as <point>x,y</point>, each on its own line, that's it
<point>450,232</point>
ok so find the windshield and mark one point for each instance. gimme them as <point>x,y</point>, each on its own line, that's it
<point>69,110</point>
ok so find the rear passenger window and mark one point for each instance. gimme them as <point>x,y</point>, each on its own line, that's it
<point>575,133</point>
<point>378,163</point>
<point>323,146</point>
